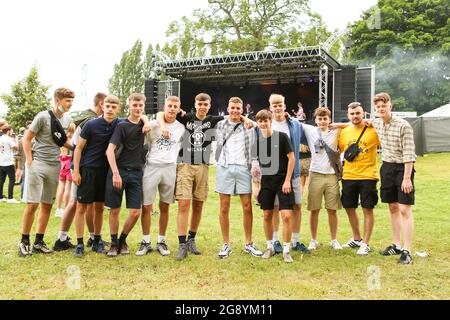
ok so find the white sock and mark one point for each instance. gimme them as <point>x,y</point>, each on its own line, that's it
<point>146,238</point>
<point>270,244</point>
<point>91,235</point>
<point>63,235</point>
<point>286,247</point>
<point>161,239</point>
<point>295,238</point>
<point>275,236</point>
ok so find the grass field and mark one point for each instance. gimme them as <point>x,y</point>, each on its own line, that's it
<point>325,274</point>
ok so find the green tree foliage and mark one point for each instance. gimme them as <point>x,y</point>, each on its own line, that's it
<point>27,98</point>
<point>409,43</point>
<point>233,26</point>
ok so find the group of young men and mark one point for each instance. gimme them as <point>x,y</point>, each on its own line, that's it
<point>171,156</point>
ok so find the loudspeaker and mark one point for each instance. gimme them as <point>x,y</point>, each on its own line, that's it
<point>151,95</point>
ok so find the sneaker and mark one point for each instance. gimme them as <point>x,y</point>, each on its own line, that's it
<point>251,248</point>
<point>41,247</point>
<point>277,247</point>
<point>313,245</point>
<point>162,248</point>
<point>113,251</point>
<point>335,245</point>
<point>269,253</point>
<point>123,248</point>
<point>287,257</point>
<point>405,257</point>
<point>182,252</point>
<point>225,251</point>
<point>59,213</point>
<point>90,242</point>
<point>63,245</point>
<point>100,247</point>
<point>2,200</point>
<point>363,250</point>
<point>301,248</point>
<point>24,249</point>
<point>144,248</point>
<point>352,243</point>
<point>79,251</point>
<point>13,201</point>
<point>192,247</point>
<point>391,251</point>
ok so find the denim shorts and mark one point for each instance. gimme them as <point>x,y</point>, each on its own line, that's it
<point>131,184</point>
<point>233,180</point>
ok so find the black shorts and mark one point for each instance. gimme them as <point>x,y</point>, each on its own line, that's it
<point>92,187</point>
<point>355,190</point>
<point>271,186</point>
<point>391,184</point>
<point>131,184</point>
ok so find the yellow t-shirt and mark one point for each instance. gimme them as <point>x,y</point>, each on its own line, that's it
<point>364,167</point>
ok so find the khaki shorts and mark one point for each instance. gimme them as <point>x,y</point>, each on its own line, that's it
<point>326,186</point>
<point>41,182</point>
<point>192,182</point>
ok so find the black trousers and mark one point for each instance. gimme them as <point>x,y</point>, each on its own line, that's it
<point>10,172</point>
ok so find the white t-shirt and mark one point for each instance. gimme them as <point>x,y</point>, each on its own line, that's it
<point>281,127</point>
<point>6,151</point>
<point>235,148</point>
<point>319,161</point>
<point>164,151</point>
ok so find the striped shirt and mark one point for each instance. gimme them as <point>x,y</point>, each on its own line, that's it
<point>397,140</point>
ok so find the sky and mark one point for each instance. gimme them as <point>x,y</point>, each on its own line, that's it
<point>72,40</point>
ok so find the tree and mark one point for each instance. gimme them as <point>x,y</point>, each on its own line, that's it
<point>409,43</point>
<point>129,75</point>
<point>234,26</point>
<point>28,97</point>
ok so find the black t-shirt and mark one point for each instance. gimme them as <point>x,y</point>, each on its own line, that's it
<point>130,136</point>
<point>272,153</point>
<point>196,146</point>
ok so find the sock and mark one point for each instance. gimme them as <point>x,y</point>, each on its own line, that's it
<point>97,239</point>
<point>161,239</point>
<point>286,247</point>
<point>295,239</point>
<point>80,241</point>
<point>114,239</point>
<point>39,238</point>
<point>146,239</point>
<point>91,235</point>
<point>275,236</point>
<point>270,244</point>
<point>182,239</point>
<point>63,235</point>
<point>26,238</point>
<point>192,235</point>
<point>397,247</point>
<point>123,238</point>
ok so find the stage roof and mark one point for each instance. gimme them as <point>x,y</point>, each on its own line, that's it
<point>287,65</point>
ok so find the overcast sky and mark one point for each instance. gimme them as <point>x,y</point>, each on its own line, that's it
<point>60,37</point>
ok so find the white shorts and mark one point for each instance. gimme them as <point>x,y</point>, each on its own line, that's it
<point>297,188</point>
<point>160,178</point>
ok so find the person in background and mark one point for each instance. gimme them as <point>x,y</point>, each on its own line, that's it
<point>8,145</point>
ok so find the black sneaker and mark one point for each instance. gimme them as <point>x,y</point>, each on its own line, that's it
<point>79,251</point>
<point>182,252</point>
<point>391,251</point>
<point>301,248</point>
<point>405,257</point>
<point>277,247</point>
<point>24,249</point>
<point>192,247</point>
<point>99,247</point>
<point>90,242</point>
<point>63,245</point>
<point>41,247</point>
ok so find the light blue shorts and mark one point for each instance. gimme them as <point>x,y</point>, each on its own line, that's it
<point>233,180</point>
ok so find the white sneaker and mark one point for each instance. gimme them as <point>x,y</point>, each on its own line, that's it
<point>313,245</point>
<point>225,251</point>
<point>13,201</point>
<point>59,213</point>
<point>3,200</point>
<point>352,243</point>
<point>363,250</point>
<point>335,245</point>
<point>251,248</point>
